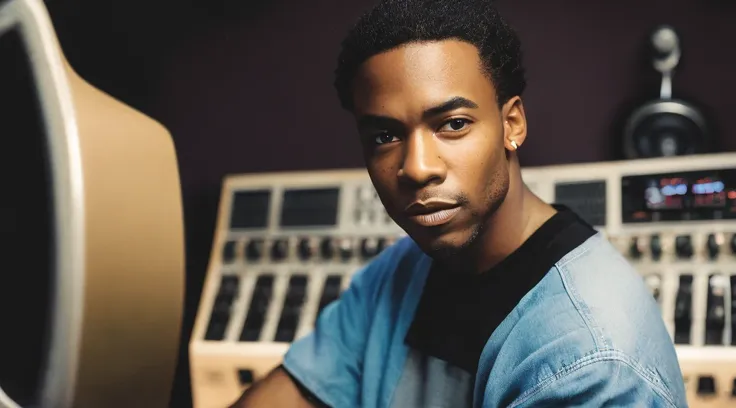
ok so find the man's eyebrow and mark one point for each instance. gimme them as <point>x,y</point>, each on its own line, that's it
<point>379,121</point>
<point>451,104</point>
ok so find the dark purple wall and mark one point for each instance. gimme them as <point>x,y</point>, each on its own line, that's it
<point>250,89</point>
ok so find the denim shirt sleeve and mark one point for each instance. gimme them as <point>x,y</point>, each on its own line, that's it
<point>605,378</point>
<point>329,361</point>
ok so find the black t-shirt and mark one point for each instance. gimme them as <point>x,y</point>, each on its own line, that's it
<point>458,313</point>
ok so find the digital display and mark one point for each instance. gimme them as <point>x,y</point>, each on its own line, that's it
<point>310,208</point>
<point>587,199</point>
<point>250,209</point>
<point>687,196</point>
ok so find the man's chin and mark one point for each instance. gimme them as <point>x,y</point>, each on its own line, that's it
<point>445,246</point>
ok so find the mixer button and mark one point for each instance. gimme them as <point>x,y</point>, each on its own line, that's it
<point>327,248</point>
<point>346,249</point>
<point>330,292</point>
<point>221,309</point>
<point>712,246</point>
<point>635,248</point>
<point>292,310</point>
<point>228,252</point>
<point>684,246</point>
<point>706,385</point>
<point>216,331</point>
<point>733,309</point>
<point>306,248</point>
<point>229,285</point>
<point>297,289</point>
<point>245,377</point>
<point>280,249</point>
<point>655,246</point>
<point>715,315</point>
<point>683,310</point>
<point>369,247</point>
<point>254,250</point>
<point>259,303</point>
<point>220,315</point>
<point>225,296</point>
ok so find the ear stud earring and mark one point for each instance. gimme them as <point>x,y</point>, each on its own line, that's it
<point>514,145</point>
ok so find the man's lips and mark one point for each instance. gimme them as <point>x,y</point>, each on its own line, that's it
<point>435,218</point>
<point>432,212</point>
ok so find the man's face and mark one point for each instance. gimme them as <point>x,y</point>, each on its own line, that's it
<point>433,138</point>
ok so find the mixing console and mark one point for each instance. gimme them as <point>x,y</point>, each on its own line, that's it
<point>287,244</point>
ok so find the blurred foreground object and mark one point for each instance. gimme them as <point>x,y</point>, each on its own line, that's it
<point>92,295</point>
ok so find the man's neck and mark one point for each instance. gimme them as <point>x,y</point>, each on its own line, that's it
<point>518,217</point>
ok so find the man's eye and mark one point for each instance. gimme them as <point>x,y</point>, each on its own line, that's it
<point>454,125</point>
<point>385,138</point>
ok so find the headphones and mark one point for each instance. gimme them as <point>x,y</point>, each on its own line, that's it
<point>665,126</point>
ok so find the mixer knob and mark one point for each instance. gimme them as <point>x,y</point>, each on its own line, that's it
<point>228,252</point>
<point>654,282</point>
<point>306,248</point>
<point>254,250</point>
<point>327,248</point>
<point>280,249</point>
<point>712,246</point>
<point>655,245</point>
<point>366,194</point>
<point>346,248</point>
<point>635,248</point>
<point>684,246</point>
<point>371,247</point>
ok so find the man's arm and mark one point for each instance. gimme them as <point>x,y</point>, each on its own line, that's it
<point>276,390</point>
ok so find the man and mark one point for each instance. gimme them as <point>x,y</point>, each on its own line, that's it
<point>497,299</point>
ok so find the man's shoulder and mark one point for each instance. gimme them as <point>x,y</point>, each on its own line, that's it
<point>594,289</point>
<point>591,308</point>
<point>621,311</point>
<point>612,300</point>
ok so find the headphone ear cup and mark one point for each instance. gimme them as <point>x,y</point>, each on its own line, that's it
<point>665,128</point>
<point>667,134</point>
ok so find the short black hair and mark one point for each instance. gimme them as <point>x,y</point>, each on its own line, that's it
<point>392,23</point>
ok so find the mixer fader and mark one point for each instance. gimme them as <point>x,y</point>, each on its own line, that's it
<point>287,244</point>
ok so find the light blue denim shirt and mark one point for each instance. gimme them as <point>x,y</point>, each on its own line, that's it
<point>589,333</point>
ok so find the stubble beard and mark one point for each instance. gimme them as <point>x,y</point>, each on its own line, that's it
<point>460,254</point>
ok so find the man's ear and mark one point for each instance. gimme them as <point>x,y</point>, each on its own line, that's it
<point>514,123</point>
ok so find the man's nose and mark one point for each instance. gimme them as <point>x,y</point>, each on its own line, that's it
<point>422,160</point>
